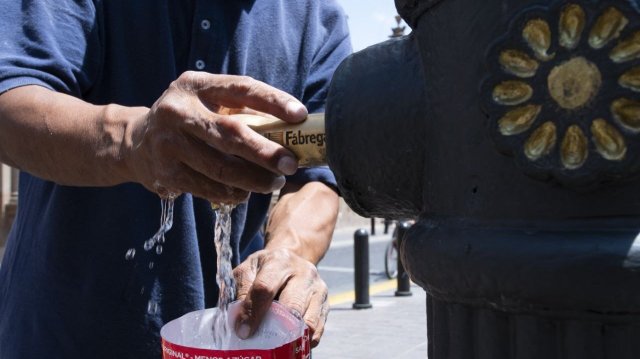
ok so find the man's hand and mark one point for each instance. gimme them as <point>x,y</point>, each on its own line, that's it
<point>188,143</point>
<point>299,231</point>
<point>293,281</point>
<point>185,143</point>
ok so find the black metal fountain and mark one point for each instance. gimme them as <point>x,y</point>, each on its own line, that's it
<point>511,130</point>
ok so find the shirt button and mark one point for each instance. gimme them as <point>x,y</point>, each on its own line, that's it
<point>200,64</point>
<point>205,24</point>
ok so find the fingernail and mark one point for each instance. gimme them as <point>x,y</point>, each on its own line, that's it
<point>278,183</point>
<point>287,165</point>
<point>296,109</point>
<point>243,331</point>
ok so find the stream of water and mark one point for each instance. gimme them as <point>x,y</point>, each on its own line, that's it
<point>224,276</point>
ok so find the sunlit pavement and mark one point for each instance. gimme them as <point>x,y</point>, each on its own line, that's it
<point>395,327</point>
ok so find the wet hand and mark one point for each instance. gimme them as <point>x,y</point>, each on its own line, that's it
<point>187,142</point>
<point>293,281</point>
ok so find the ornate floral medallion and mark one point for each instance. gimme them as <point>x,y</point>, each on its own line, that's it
<point>563,94</point>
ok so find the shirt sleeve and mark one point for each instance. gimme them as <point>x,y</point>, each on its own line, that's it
<point>51,43</point>
<point>332,44</point>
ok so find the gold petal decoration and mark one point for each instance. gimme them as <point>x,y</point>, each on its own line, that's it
<point>538,36</point>
<point>627,112</point>
<point>541,141</point>
<point>631,79</point>
<point>571,25</point>
<point>627,50</point>
<point>518,63</point>
<point>574,148</point>
<point>512,93</point>
<point>518,120</point>
<point>608,27</point>
<point>608,140</point>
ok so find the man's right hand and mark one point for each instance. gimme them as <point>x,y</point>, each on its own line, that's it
<point>187,142</point>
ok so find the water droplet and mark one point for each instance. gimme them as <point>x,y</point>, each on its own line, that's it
<point>152,307</point>
<point>149,244</point>
<point>159,249</point>
<point>130,254</point>
<point>161,240</point>
<point>150,265</point>
<point>142,291</point>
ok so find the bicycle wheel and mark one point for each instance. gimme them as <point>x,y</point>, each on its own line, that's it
<point>391,260</point>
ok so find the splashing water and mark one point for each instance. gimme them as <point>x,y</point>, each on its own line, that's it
<point>152,307</point>
<point>131,253</point>
<point>166,222</point>
<point>224,276</point>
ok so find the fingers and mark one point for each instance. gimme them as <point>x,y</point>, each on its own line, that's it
<point>233,137</point>
<point>229,170</point>
<point>242,91</point>
<point>245,275</point>
<point>318,311</point>
<point>187,180</point>
<point>247,111</point>
<point>183,145</point>
<point>273,271</point>
<point>172,163</point>
<point>182,179</point>
<point>307,295</point>
<point>294,281</point>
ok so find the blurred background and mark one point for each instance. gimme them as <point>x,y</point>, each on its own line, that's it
<point>370,21</point>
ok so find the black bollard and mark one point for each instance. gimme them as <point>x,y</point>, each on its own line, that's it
<point>361,273</point>
<point>387,223</point>
<point>403,280</point>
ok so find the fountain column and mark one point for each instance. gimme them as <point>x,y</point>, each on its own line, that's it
<point>507,128</point>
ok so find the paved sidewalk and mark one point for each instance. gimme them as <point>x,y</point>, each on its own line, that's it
<point>395,327</point>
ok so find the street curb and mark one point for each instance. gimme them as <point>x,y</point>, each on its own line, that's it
<point>344,297</point>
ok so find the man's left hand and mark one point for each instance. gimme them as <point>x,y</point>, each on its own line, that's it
<point>283,275</point>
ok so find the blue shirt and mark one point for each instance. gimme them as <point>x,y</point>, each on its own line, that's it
<point>66,289</point>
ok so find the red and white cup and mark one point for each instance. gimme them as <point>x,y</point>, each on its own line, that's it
<point>281,335</point>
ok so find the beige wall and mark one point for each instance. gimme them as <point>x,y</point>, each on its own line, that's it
<point>5,185</point>
<point>7,203</point>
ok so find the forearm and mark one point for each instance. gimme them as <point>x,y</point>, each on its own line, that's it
<point>185,143</point>
<point>303,220</point>
<point>61,138</point>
